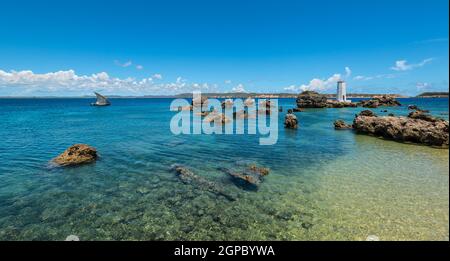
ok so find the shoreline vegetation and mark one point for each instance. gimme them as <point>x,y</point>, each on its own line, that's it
<point>241,95</point>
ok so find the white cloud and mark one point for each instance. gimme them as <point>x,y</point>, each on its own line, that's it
<point>126,64</point>
<point>227,81</point>
<point>68,82</point>
<point>348,72</point>
<point>421,86</point>
<point>317,84</point>
<point>238,88</point>
<point>402,65</point>
<point>379,76</point>
<point>139,67</point>
<point>157,76</point>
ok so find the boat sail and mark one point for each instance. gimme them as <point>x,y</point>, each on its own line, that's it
<point>101,100</point>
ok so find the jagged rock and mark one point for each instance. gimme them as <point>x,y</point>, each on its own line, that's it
<point>76,155</point>
<point>311,99</point>
<point>188,177</point>
<point>290,120</point>
<point>249,178</point>
<point>340,125</point>
<point>367,113</point>
<point>421,115</point>
<point>376,101</point>
<point>415,129</point>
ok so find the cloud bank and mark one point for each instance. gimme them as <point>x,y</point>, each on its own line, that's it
<point>402,65</point>
<point>24,83</point>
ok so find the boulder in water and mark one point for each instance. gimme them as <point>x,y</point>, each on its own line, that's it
<point>76,155</point>
<point>311,99</point>
<point>341,125</point>
<point>290,120</point>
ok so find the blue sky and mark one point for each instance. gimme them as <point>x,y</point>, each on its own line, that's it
<point>164,47</point>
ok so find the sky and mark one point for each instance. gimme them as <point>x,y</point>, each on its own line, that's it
<point>72,48</point>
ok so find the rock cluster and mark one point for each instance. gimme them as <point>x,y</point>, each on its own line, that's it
<point>290,120</point>
<point>76,155</point>
<point>418,127</point>
<point>376,101</point>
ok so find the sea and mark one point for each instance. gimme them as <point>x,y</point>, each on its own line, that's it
<point>323,184</point>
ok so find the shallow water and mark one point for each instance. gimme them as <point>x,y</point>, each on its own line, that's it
<point>323,185</point>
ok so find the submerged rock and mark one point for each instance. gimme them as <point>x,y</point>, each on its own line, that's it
<point>290,120</point>
<point>417,128</point>
<point>76,155</point>
<point>188,177</point>
<point>298,110</point>
<point>416,108</point>
<point>311,99</point>
<point>376,101</point>
<point>341,125</point>
<point>338,104</point>
<point>249,178</point>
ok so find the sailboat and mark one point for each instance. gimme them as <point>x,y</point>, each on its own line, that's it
<point>101,100</point>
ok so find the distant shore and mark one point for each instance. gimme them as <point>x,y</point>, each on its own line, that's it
<point>240,95</point>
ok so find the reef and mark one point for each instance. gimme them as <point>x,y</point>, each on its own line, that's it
<point>76,155</point>
<point>418,127</point>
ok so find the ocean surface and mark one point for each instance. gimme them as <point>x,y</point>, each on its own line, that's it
<point>323,184</point>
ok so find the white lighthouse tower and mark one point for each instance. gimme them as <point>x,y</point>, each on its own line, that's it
<point>341,95</point>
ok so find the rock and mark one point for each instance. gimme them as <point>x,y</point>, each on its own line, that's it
<point>290,120</point>
<point>423,116</point>
<point>298,109</point>
<point>264,107</point>
<point>76,155</point>
<point>368,113</point>
<point>383,111</point>
<point>391,115</point>
<point>416,129</point>
<point>376,101</point>
<point>240,114</point>
<point>188,177</point>
<point>249,178</point>
<point>338,104</point>
<point>213,116</point>
<point>413,107</point>
<point>200,101</point>
<point>311,99</point>
<point>340,125</point>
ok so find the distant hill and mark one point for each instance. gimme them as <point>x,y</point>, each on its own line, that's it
<point>433,94</point>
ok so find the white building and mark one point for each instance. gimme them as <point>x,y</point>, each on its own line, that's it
<point>341,95</point>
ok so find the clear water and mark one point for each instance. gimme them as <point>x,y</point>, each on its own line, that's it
<point>324,184</point>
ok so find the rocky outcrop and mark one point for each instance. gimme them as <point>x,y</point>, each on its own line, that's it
<point>414,107</point>
<point>416,128</point>
<point>250,178</point>
<point>367,113</point>
<point>341,125</point>
<point>188,177</point>
<point>264,107</point>
<point>338,104</point>
<point>311,99</point>
<point>215,116</point>
<point>376,101</point>
<point>297,109</point>
<point>290,120</point>
<point>76,155</point>
<point>200,101</point>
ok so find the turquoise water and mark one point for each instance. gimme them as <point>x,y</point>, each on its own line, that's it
<point>323,185</point>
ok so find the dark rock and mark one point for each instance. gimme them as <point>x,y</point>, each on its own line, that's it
<point>391,115</point>
<point>298,110</point>
<point>423,116</point>
<point>341,125</point>
<point>76,155</point>
<point>250,178</point>
<point>413,107</point>
<point>311,99</point>
<point>368,113</point>
<point>416,129</point>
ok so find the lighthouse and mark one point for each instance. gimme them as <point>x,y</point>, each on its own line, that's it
<point>341,95</point>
